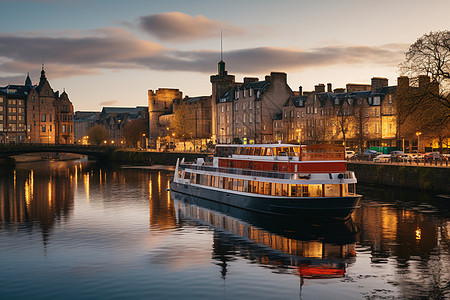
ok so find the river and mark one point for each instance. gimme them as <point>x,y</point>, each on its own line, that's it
<point>76,230</point>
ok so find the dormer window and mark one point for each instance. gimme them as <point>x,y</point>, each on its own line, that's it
<point>236,94</point>
<point>250,92</point>
<point>376,100</point>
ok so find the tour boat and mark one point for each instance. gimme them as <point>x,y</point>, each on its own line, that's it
<point>278,179</point>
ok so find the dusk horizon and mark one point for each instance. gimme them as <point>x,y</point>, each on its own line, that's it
<point>111,55</point>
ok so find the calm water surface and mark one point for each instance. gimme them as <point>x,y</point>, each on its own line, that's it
<point>74,230</point>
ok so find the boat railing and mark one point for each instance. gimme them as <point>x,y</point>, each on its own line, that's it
<point>238,171</point>
<point>253,173</point>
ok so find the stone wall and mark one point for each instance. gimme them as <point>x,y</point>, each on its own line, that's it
<point>435,179</point>
<point>154,158</point>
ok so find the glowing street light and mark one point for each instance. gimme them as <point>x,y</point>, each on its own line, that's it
<point>418,133</point>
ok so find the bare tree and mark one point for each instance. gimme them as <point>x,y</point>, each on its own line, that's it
<point>134,131</point>
<point>430,56</point>
<point>425,106</point>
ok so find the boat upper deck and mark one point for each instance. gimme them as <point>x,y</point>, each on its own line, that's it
<point>282,152</point>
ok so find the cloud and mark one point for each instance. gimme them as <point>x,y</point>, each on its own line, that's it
<point>79,53</point>
<point>180,27</point>
<point>110,102</point>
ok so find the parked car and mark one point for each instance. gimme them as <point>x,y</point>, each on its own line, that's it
<point>370,153</point>
<point>396,154</point>
<point>434,156</point>
<point>406,157</point>
<point>382,158</point>
<point>411,157</point>
<point>349,154</point>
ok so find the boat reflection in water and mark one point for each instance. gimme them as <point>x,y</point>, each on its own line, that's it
<point>310,250</point>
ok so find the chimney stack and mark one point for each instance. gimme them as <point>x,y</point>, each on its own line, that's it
<point>379,82</point>
<point>403,82</point>
<point>329,88</point>
<point>424,80</point>
<point>320,88</point>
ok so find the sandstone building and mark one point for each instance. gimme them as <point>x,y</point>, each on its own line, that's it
<point>244,112</point>
<point>359,116</point>
<point>159,103</point>
<point>35,114</point>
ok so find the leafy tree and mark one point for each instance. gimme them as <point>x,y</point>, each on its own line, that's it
<point>97,135</point>
<point>183,124</point>
<point>134,130</point>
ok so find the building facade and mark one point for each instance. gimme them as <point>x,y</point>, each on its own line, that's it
<point>244,112</point>
<point>359,116</point>
<point>114,119</point>
<point>35,114</point>
<point>159,103</point>
<point>83,121</point>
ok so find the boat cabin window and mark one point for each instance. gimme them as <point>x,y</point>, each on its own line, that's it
<point>222,151</point>
<point>287,151</point>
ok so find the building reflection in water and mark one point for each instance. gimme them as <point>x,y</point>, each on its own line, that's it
<point>404,228</point>
<point>35,196</point>
<point>407,230</point>
<point>319,250</point>
<point>161,208</point>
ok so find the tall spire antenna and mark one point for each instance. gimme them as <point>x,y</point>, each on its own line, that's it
<point>42,58</point>
<point>221,48</point>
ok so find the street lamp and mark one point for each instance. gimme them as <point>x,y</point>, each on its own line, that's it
<point>299,132</point>
<point>418,133</point>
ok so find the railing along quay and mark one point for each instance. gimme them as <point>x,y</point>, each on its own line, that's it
<point>416,163</point>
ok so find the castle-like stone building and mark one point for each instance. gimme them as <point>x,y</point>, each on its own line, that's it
<point>159,104</point>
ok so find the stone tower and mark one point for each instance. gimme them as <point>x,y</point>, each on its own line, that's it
<point>221,83</point>
<point>159,103</point>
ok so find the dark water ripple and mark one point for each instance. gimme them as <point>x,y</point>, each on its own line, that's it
<point>74,230</point>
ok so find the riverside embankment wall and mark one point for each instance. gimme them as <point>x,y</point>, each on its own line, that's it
<point>155,158</point>
<point>434,179</point>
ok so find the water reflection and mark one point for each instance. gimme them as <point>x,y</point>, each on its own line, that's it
<point>310,250</point>
<point>405,229</point>
<point>397,245</point>
<point>32,198</point>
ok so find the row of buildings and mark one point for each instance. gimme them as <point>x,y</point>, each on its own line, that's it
<point>35,113</point>
<point>268,111</point>
<point>251,111</point>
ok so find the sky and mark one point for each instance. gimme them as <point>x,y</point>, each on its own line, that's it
<point>111,52</point>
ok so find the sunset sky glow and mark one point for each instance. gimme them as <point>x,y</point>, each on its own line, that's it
<point>109,53</point>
